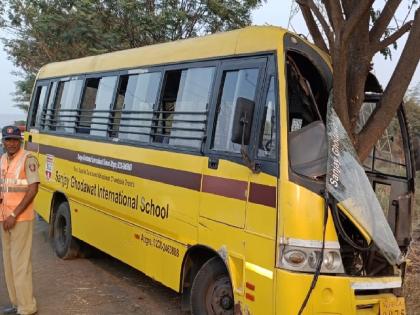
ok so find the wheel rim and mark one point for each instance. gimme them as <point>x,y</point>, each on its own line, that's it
<point>61,230</point>
<point>219,299</point>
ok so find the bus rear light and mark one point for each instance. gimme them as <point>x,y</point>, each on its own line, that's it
<point>305,259</point>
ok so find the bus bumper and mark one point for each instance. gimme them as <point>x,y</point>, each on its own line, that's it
<point>336,295</point>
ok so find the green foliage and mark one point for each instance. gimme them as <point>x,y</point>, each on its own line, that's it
<point>23,91</point>
<point>374,15</point>
<point>45,31</point>
<point>412,107</point>
<point>2,21</point>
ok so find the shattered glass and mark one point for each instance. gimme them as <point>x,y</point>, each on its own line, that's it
<point>348,183</point>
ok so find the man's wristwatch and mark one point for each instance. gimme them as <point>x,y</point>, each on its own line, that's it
<point>13,215</point>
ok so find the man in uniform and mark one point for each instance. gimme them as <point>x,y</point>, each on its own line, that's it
<point>19,185</point>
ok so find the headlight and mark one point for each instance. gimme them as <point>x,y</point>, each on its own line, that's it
<point>295,258</point>
<point>306,259</point>
<point>332,261</point>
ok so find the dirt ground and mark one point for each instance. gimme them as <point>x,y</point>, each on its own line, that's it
<point>104,286</point>
<point>412,279</point>
<point>99,285</point>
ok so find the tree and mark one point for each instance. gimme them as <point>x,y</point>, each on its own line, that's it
<point>412,108</point>
<point>352,32</point>
<point>43,31</point>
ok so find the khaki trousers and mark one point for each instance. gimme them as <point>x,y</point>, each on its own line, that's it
<point>17,248</point>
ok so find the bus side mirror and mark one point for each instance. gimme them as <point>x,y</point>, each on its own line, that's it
<point>242,121</point>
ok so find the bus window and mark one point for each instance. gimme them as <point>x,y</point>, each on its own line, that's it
<point>38,105</point>
<point>267,144</point>
<point>307,94</point>
<point>181,117</point>
<point>88,105</point>
<point>65,108</point>
<point>190,114</point>
<point>137,95</point>
<point>239,83</point>
<point>387,157</point>
<point>48,114</point>
<point>103,102</point>
<point>115,119</point>
<point>166,108</point>
<point>56,105</point>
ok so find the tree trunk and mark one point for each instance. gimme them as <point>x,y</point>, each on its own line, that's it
<point>359,58</point>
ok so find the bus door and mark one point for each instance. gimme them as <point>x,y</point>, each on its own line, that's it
<point>38,104</point>
<point>225,183</point>
<point>43,91</point>
<point>390,171</point>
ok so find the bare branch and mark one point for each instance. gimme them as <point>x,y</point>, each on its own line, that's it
<point>413,3</point>
<point>394,92</point>
<point>391,38</point>
<point>328,11</point>
<point>294,9</point>
<point>327,30</point>
<point>347,6</point>
<point>378,29</point>
<point>313,29</point>
<point>396,21</point>
<point>335,14</point>
<point>355,17</point>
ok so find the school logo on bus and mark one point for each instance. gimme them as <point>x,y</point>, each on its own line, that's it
<point>49,166</point>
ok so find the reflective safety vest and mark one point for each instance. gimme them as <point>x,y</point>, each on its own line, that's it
<point>14,185</point>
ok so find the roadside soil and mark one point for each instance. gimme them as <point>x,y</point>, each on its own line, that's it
<point>412,279</point>
<point>99,285</point>
<point>102,285</point>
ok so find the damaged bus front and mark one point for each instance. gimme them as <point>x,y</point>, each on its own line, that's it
<point>344,226</point>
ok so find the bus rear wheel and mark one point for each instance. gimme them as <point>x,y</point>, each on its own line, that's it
<point>211,291</point>
<point>65,245</point>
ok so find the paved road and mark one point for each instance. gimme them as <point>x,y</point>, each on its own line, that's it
<point>99,285</point>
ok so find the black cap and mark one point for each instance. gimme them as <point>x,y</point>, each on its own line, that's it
<point>11,132</point>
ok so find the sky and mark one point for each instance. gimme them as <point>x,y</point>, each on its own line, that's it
<point>273,12</point>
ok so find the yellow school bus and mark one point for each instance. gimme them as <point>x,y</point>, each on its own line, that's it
<point>217,167</point>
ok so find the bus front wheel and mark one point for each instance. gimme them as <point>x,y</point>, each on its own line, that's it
<point>65,245</point>
<point>211,291</point>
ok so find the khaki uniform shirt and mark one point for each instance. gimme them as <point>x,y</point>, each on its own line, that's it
<point>31,169</point>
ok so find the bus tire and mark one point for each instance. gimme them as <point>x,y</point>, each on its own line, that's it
<point>65,245</point>
<point>211,291</point>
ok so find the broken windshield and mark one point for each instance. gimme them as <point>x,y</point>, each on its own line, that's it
<point>348,183</point>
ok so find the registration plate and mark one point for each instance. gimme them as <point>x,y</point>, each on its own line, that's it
<point>392,306</point>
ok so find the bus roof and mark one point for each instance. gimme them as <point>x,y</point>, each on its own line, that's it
<point>247,40</point>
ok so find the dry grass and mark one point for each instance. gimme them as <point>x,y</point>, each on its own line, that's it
<point>412,279</point>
